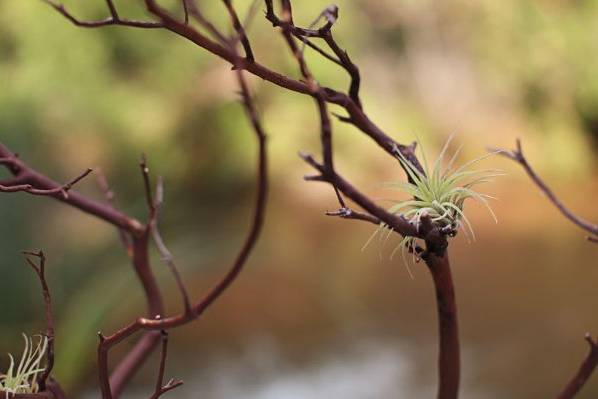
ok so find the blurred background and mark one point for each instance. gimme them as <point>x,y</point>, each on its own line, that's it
<point>312,316</point>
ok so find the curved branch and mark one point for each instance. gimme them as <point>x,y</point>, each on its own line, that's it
<point>108,386</point>
<point>138,235</point>
<point>517,156</point>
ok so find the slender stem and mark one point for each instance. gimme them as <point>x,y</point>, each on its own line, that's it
<point>30,176</point>
<point>517,156</point>
<point>40,270</point>
<point>585,371</point>
<point>448,328</point>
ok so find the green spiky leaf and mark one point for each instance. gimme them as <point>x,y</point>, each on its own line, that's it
<point>440,193</point>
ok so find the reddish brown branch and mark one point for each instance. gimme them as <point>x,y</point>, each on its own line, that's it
<point>349,66</point>
<point>517,156</point>
<point>397,223</point>
<point>193,9</point>
<point>170,385</point>
<point>351,103</point>
<point>356,116</point>
<point>26,174</point>
<point>109,387</point>
<point>162,388</point>
<point>348,213</point>
<point>585,370</point>
<point>448,329</point>
<point>240,30</point>
<point>40,270</point>
<point>138,237</point>
<point>29,188</point>
<point>129,365</point>
<point>114,19</point>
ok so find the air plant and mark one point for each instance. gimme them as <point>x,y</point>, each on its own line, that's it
<point>23,379</point>
<point>438,193</point>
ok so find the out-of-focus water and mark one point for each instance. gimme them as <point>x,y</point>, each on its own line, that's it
<point>366,369</point>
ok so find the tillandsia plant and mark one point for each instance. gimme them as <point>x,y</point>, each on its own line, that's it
<point>438,193</point>
<point>23,379</point>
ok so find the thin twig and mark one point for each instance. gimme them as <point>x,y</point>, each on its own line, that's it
<point>348,213</point>
<point>162,388</point>
<point>110,200</point>
<point>195,12</point>
<point>31,189</point>
<point>114,19</point>
<point>40,270</point>
<point>24,173</point>
<point>517,156</point>
<point>147,185</point>
<point>159,323</point>
<point>397,223</point>
<point>165,254</point>
<point>186,11</point>
<point>239,29</point>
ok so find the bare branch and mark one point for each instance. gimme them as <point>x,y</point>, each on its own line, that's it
<point>110,200</point>
<point>186,11</point>
<point>40,270</point>
<point>348,213</point>
<point>62,190</point>
<point>397,223</point>
<point>114,19</point>
<point>147,185</point>
<point>162,388</point>
<point>111,387</point>
<point>239,29</point>
<point>165,254</point>
<point>517,156</point>
<point>322,95</point>
<point>24,173</point>
<point>585,370</point>
<point>194,11</point>
<point>112,9</point>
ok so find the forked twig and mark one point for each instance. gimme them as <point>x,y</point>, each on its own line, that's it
<point>162,388</point>
<point>40,270</point>
<point>31,189</point>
